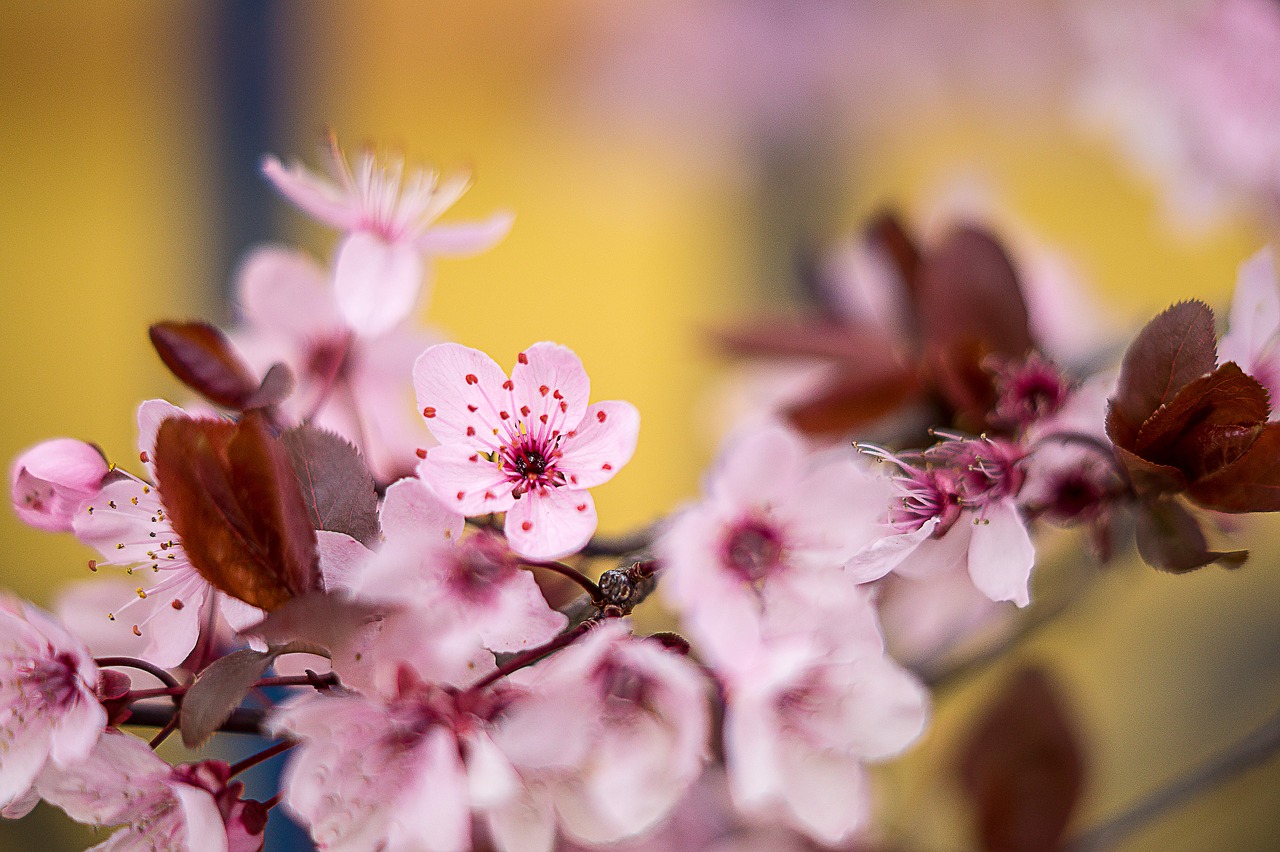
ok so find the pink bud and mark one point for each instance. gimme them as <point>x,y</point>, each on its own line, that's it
<point>51,480</point>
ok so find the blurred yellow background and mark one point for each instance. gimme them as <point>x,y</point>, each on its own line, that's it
<point>627,247</point>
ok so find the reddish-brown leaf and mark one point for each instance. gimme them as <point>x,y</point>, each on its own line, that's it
<point>1023,768</point>
<point>1208,424</point>
<point>851,401</point>
<point>204,360</point>
<point>337,487</point>
<point>969,296</point>
<point>1173,350</point>
<point>886,234</point>
<point>1169,538</point>
<point>232,497</point>
<point>1149,478</point>
<point>859,345</point>
<point>1249,484</point>
<point>276,386</point>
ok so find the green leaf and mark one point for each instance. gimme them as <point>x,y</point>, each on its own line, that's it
<point>218,691</point>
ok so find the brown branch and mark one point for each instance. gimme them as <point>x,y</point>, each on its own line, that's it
<point>243,720</point>
<point>1254,750</point>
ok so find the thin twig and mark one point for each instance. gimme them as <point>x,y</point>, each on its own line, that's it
<point>141,665</point>
<point>588,585</point>
<point>1253,750</point>
<point>169,728</point>
<point>531,656</point>
<point>243,720</point>
<point>264,755</point>
<point>941,676</point>
<point>619,545</point>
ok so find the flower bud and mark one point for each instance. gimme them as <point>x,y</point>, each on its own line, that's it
<point>50,481</point>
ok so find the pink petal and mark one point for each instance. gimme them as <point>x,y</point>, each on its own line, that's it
<point>205,829</point>
<point>286,293</point>
<point>551,389</point>
<point>239,615</point>
<point>1001,554</point>
<point>758,466</point>
<point>551,524</point>
<point>462,395</point>
<point>316,196</point>
<point>376,283</point>
<point>411,509</point>
<point>828,793</point>
<point>151,414</point>
<point>1255,311</point>
<point>462,478</point>
<point>601,445</point>
<point>491,781</point>
<point>527,824</point>
<point>886,708</point>
<point>459,240</point>
<point>435,815</point>
<point>49,481</point>
<point>341,558</point>
<point>885,554</point>
<point>520,617</point>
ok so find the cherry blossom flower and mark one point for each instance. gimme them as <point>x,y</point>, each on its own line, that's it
<point>1253,331</point>
<point>956,506</point>
<point>611,734</point>
<point>357,386</point>
<point>49,709</point>
<point>123,782</point>
<point>128,525</point>
<point>805,710</point>
<point>468,594</point>
<point>399,774</point>
<point>529,445</point>
<point>389,221</point>
<point>49,482</point>
<point>776,521</point>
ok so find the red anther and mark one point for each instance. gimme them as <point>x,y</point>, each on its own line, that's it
<point>429,411</point>
<point>600,415</point>
<point>420,453</point>
<point>471,379</point>
<point>522,358</point>
<point>507,385</point>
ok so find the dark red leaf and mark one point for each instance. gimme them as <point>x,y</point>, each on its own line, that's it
<point>851,401</point>
<point>886,234</point>
<point>1173,350</point>
<point>233,499</point>
<point>1208,424</point>
<point>1023,768</point>
<point>218,691</point>
<point>1249,484</point>
<point>337,488</point>
<point>204,360</point>
<point>276,386</point>
<point>1169,538</point>
<point>863,346</point>
<point>1149,478</point>
<point>969,296</point>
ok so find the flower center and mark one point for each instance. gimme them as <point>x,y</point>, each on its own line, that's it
<point>49,683</point>
<point>530,462</point>
<point>753,549</point>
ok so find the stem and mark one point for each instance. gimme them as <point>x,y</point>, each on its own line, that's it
<point>141,665</point>
<point>272,802</point>
<point>531,656</point>
<point>619,545</point>
<point>587,584</point>
<point>243,720</point>
<point>940,676</point>
<point>159,692</point>
<point>330,379</point>
<point>310,679</point>
<point>169,728</point>
<point>264,755</point>
<point>1253,750</point>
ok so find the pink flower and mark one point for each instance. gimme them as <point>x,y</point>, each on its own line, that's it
<point>956,506</point>
<point>49,710</point>
<point>467,594</point>
<point>400,774</point>
<point>609,737</point>
<point>357,386</point>
<point>1253,336</point>
<point>529,446</point>
<point>49,482</point>
<point>389,225</point>
<point>802,719</point>
<point>123,782</point>
<point>776,522</point>
<point>128,525</point>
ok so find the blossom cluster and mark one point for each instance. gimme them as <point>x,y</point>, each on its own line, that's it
<point>401,534</point>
